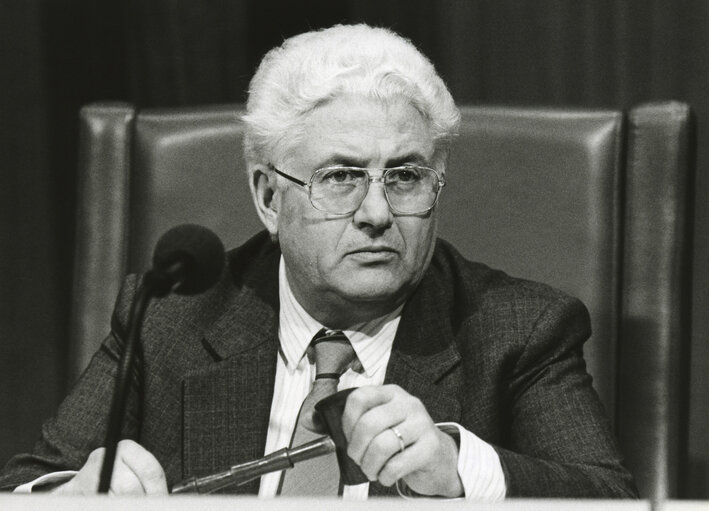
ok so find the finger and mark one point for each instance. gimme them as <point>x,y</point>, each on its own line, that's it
<point>420,455</point>
<point>372,424</point>
<point>380,450</point>
<point>416,429</point>
<point>402,408</point>
<point>85,482</point>
<point>144,466</point>
<point>92,467</point>
<point>429,467</point>
<point>360,401</point>
<point>403,464</point>
<point>124,481</point>
<point>95,459</point>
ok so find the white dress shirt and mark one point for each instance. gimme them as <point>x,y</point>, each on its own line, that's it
<point>478,464</point>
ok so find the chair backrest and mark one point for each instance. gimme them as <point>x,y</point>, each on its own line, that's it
<point>596,203</point>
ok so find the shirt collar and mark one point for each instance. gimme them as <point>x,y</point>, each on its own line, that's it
<point>371,340</point>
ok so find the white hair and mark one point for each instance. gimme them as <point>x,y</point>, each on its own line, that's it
<point>310,69</point>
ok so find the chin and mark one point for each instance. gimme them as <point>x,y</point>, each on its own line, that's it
<point>374,290</point>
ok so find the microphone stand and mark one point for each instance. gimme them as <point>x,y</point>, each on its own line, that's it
<point>156,283</point>
<point>188,259</point>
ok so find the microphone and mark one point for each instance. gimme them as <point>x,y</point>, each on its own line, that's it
<point>244,472</point>
<point>188,259</point>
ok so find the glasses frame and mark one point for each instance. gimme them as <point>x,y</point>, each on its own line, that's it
<point>308,185</point>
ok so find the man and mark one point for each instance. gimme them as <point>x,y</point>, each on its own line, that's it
<point>472,383</point>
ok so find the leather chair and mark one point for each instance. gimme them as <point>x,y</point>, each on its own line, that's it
<point>597,203</point>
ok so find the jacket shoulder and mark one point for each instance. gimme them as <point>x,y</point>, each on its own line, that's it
<point>253,264</point>
<point>488,296</point>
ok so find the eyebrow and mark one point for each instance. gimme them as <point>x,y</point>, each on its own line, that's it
<point>349,161</point>
<point>417,158</point>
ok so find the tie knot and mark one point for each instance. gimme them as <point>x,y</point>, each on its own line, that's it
<point>332,352</point>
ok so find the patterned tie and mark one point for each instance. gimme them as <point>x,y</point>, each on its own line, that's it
<point>333,355</point>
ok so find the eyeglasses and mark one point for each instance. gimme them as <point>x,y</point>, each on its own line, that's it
<point>339,190</point>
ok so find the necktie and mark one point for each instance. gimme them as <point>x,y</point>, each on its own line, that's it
<point>333,355</point>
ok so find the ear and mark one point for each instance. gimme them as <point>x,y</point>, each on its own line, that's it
<point>264,192</point>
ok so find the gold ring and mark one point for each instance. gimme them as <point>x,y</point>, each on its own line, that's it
<point>402,446</point>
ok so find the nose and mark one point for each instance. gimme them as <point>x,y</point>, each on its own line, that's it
<point>374,210</point>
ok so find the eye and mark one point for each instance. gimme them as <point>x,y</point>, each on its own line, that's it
<point>342,175</point>
<point>405,174</point>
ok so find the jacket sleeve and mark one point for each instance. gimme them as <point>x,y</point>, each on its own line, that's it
<point>79,425</point>
<point>559,442</point>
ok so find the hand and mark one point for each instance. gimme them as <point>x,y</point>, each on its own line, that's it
<point>135,472</point>
<point>429,462</point>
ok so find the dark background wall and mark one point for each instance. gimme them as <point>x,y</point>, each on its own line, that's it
<point>56,55</point>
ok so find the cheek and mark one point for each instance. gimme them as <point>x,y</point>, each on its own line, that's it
<point>305,237</point>
<point>293,235</point>
<point>419,235</point>
<point>295,215</point>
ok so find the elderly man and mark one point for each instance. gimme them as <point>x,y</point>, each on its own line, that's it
<point>471,383</point>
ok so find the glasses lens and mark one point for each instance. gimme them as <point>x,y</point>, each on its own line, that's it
<point>338,190</point>
<point>411,189</point>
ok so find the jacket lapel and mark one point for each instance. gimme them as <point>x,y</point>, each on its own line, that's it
<point>225,406</point>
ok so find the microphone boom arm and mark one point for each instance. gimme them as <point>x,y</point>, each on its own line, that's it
<point>244,472</point>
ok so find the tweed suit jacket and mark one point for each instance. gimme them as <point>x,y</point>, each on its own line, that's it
<point>500,356</point>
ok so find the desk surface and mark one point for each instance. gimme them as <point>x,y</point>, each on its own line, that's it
<point>218,503</point>
<point>682,505</point>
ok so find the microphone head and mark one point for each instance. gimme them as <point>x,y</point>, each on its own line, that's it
<point>197,251</point>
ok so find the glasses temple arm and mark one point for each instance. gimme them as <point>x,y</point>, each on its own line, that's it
<point>290,178</point>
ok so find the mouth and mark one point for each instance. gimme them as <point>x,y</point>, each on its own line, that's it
<point>373,250</point>
<point>372,254</point>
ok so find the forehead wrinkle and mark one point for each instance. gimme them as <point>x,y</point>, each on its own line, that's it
<point>391,132</point>
<point>376,148</point>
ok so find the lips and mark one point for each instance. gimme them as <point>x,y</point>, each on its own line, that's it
<point>371,250</point>
<point>375,255</point>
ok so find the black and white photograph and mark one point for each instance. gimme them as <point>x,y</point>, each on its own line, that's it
<point>302,254</point>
